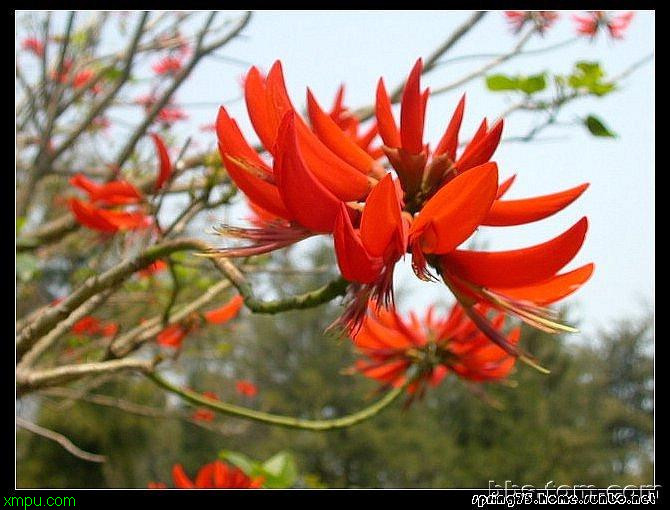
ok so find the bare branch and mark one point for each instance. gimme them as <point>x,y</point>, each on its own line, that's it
<point>31,380</point>
<point>61,440</point>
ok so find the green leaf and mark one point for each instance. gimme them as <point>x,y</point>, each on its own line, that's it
<point>497,82</point>
<point>597,127</point>
<point>280,471</point>
<point>525,84</point>
<point>240,460</point>
<point>589,76</point>
<point>532,84</point>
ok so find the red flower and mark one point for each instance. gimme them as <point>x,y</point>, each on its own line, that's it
<point>216,475</point>
<point>114,193</point>
<point>347,122</point>
<point>321,182</point>
<point>86,325</point>
<point>436,346</point>
<point>82,78</point>
<point>204,414</point>
<point>111,193</point>
<point>89,325</point>
<point>153,268</point>
<point>246,388</point>
<point>226,312</point>
<point>590,23</point>
<point>172,336</point>
<point>310,175</point>
<point>171,114</point>
<point>107,220</point>
<point>542,19</point>
<point>34,45</point>
<point>167,65</point>
<point>165,169</point>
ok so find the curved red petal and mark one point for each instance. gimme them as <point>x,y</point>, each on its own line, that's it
<point>355,264</point>
<point>412,112</point>
<point>552,290</point>
<point>518,212</point>
<point>388,130</point>
<point>335,139</point>
<point>455,211</point>
<point>381,221</point>
<point>180,479</point>
<point>482,151</point>
<point>505,186</point>
<point>89,216</point>
<point>226,312</point>
<point>308,201</point>
<point>517,268</point>
<point>449,141</point>
<point>165,169</point>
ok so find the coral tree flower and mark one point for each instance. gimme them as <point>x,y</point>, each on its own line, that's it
<point>542,19</point>
<point>436,346</point>
<point>591,22</point>
<point>167,65</point>
<point>204,414</point>
<point>90,325</point>
<point>215,475</point>
<point>226,312</point>
<point>173,336</point>
<point>101,212</point>
<point>246,388</point>
<point>33,45</point>
<point>322,182</point>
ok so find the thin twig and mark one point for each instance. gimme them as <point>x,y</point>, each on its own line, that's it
<point>61,440</point>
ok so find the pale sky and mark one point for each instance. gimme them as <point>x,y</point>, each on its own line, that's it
<point>322,50</point>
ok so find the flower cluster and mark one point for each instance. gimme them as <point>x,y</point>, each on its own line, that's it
<point>436,346</point>
<point>541,19</point>
<point>106,209</point>
<point>322,181</point>
<point>215,475</point>
<point>592,22</point>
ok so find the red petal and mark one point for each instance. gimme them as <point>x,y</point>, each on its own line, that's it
<point>226,312</point>
<point>262,116</point>
<point>337,175</point>
<point>335,139</point>
<point>165,165</point>
<point>482,151</point>
<point>516,268</point>
<point>116,193</point>
<point>455,211</point>
<point>83,182</point>
<point>179,478</point>
<point>388,129</point>
<point>355,264</point>
<point>449,142</point>
<point>88,215</point>
<point>381,221</point>
<point>126,220</point>
<point>232,143</point>
<point>505,186</point>
<point>518,212</point>
<point>551,290</point>
<point>411,112</point>
<point>308,201</point>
